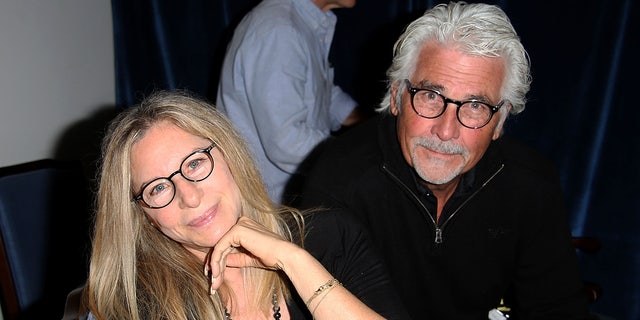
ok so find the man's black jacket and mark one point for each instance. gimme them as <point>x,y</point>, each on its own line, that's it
<point>503,234</point>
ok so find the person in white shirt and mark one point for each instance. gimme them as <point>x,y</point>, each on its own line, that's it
<point>276,85</point>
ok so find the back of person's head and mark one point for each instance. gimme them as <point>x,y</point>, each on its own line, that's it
<point>473,28</point>
<point>126,243</point>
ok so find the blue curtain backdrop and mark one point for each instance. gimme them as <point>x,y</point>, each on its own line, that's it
<point>581,113</point>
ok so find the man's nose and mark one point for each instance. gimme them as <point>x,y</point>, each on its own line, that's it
<point>447,126</point>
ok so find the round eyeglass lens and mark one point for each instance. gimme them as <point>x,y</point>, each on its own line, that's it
<point>474,114</point>
<point>160,192</point>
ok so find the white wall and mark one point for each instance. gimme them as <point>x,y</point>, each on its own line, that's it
<point>56,69</point>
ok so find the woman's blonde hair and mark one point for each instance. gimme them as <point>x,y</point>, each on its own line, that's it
<point>136,272</point>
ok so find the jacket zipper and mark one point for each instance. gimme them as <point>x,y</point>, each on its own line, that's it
<point>439,229</point>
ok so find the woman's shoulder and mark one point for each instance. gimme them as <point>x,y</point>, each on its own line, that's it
<point>330,221</point>
<point>332,232</point>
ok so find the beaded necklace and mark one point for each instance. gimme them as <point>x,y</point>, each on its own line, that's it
<point>275,308</point>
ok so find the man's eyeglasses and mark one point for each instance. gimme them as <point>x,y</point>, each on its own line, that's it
<point>430,104</point>
<point>160,192</point>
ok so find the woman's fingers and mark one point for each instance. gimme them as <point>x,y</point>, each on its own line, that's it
<point>214,266</point>
<point>246,244</point>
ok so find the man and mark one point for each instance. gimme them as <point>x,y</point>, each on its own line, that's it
<point>276,85</point>
<point>464,217</point>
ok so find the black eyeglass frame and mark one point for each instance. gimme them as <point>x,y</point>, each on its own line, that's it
<point>207,151</point>
<point>413,91</point>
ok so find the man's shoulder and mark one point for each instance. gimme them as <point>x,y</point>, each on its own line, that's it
<point>355,147</point>
<point>269,14</point>
<point>517,154</point>
<point>363,134</point>
<point>343,162</point>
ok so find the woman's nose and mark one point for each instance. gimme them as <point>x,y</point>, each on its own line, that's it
<point>188,193</point>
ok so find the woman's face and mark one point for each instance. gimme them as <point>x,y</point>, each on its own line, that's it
<point>201,212</point>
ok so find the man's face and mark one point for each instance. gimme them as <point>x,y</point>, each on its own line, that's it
<point>442,149</point>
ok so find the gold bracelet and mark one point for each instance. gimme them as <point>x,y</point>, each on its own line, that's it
<point>320,301</point>
<point>323,287</point>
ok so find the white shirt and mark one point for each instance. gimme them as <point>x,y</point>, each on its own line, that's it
<point>277,88</point>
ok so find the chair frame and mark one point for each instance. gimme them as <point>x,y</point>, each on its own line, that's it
<point>11,306</point>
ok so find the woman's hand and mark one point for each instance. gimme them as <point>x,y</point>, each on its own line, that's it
<point>246,244</point>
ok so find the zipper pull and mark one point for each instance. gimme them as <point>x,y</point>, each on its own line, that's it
<point>438,235</point>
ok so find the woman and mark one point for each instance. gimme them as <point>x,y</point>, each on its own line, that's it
<point>184,229</point>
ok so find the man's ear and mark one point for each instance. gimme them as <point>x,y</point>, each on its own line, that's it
<point>503,113</point>
<point>395,109</point>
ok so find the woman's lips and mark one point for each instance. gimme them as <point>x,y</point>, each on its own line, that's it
<point>208,216</point>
